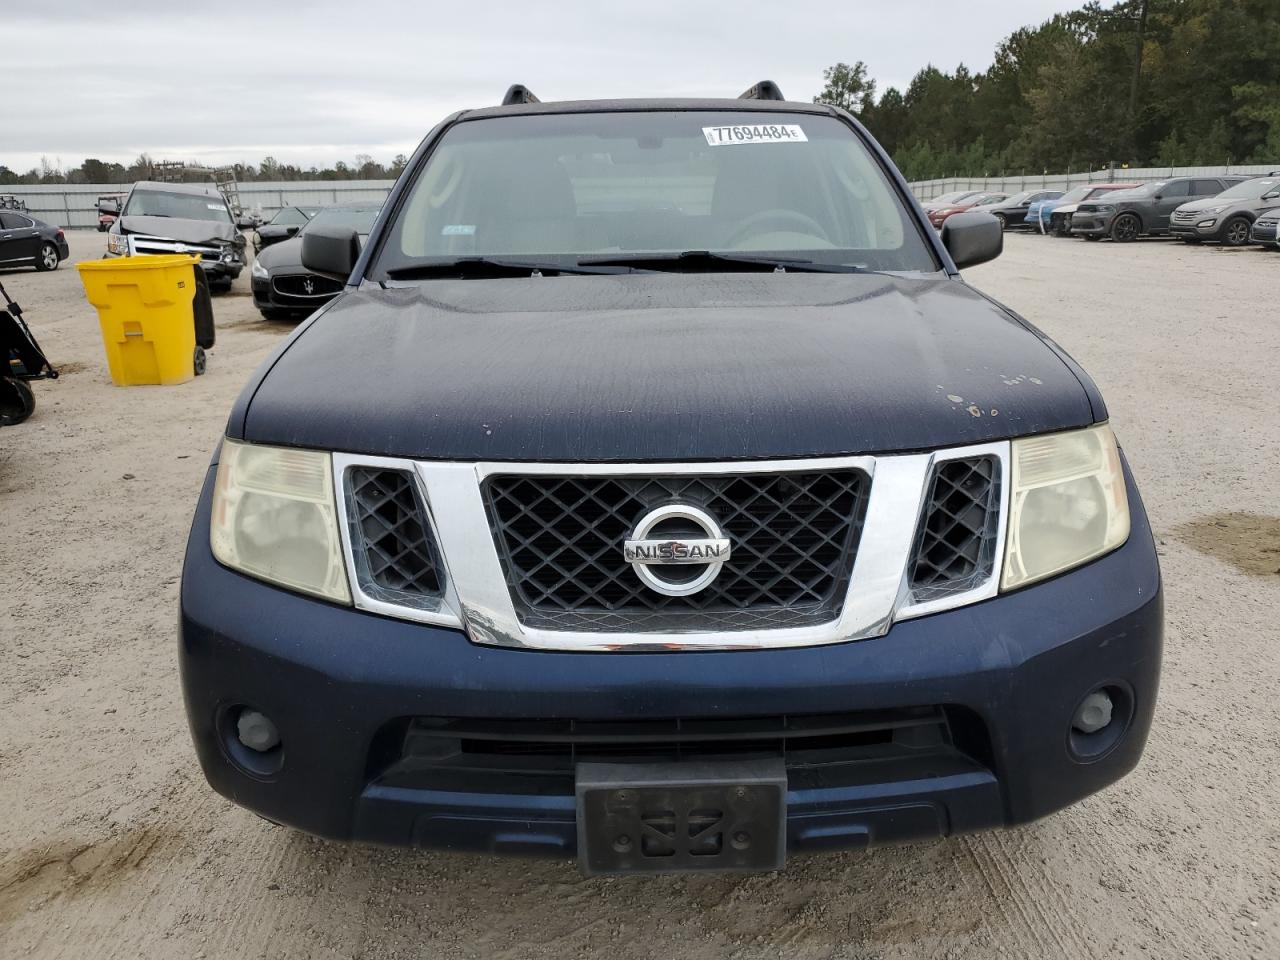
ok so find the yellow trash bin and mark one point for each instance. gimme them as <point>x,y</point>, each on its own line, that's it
<point>144,309</point>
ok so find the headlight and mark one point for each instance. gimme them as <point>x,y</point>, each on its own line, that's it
<point>1105,208</point>
<point>1068,504</point>
<point>274,517</point>
<point>1211,210</point>
<point>259,270</point>
<point>118,243</point>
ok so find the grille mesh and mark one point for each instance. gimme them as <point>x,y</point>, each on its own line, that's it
<point>394,554</point>
<point>794,537</point>
<point>956,547</point>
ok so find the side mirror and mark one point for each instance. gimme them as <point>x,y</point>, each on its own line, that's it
<point>108,206</point>
<point>1273,195</point>
<point>1159,196</point>
<point>331,251</point>
<point>972,237</point>
<point>290,230</point>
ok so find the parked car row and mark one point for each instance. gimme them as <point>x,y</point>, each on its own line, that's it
<point>1231,210</point>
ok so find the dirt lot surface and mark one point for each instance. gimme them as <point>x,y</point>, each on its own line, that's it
<point>111,844</point>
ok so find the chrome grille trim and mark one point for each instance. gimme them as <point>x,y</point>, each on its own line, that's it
<point>794,535</point>
<point>477,598</point>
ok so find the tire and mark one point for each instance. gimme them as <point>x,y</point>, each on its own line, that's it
<point>1235,232</point>
<point>198,361</point>
<point>47,259</point>
<point>17,402</point>
<point>1126,228</point>
<point>220,285</point>
<point>1004,223</point>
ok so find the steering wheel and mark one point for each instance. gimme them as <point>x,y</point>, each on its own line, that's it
<point>769,221</point>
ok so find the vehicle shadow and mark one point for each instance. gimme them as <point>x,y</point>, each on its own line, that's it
<point>917,900</point>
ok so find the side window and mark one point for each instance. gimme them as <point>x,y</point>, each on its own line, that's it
<point>12,221</point>
<point>1179,188</point>
<point>1207,188</point>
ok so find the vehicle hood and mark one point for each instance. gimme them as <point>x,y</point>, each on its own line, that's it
<point>652,367</point>
<point>184,231</point>
<point>285,254</point>
<point>1240,203</point>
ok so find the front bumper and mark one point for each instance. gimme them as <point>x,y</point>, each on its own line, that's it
<point>343,686</point>
<point>1195,231</point>
<point>1091,224</point>
<point>1264,233</point>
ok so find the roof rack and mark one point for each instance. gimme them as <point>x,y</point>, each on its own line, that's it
<point>519,93</point>
<point>764,90</point>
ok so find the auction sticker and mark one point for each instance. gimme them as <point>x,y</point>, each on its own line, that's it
<point>754,133</point>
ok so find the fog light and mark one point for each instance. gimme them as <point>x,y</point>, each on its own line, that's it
<point>256,731</point>
<point>1093,714</point>
<point>1205,224</point>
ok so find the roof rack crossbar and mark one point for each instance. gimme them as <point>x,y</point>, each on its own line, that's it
<point>519,93</point>
<point>764,90</point>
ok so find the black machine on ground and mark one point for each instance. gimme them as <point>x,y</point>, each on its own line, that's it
<point>23,361</point>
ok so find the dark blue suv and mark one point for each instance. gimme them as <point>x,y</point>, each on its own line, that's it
<point>657,492</point>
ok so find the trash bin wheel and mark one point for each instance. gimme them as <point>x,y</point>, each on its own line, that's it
<point>199,361</point>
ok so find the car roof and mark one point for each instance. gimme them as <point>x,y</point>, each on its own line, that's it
<point>195,189</point>
<point>676,105</point>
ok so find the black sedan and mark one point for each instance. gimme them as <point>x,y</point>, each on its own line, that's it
<point>28,242</point>
<point>282,289</point>
<point>287,222</point>
<point>1012,211</point>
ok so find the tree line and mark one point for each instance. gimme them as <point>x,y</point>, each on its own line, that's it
<point>1139,82</point>
<point>270,169</point>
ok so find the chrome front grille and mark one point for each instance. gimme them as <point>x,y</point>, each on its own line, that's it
<point>794,540</point>
<point>394,553</point>
<point>531,555</point>
<point>143,246</point>
<point>957,543</point>
<point>1185,216</point>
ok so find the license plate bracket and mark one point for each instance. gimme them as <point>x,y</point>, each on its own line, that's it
<point>669,817</point>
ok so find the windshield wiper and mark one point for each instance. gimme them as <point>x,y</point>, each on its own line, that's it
<point>465,267</point>
<point>696,260</point>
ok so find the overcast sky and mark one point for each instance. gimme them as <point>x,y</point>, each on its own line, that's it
<point>311,83</point>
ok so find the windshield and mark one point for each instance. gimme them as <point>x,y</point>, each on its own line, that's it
<point>1143,190</point>
<point>359,219</point>
<point>561,187</point>
<point>1018,198</point>
<point>290,217</point>
<point>1250,189</point>
<point>180,206</point>
<point>1078,194</point>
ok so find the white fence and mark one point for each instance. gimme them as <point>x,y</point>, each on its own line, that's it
<point>927,189</point>
<point>75,205</point>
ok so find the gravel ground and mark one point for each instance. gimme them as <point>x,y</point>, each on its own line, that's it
<point>111,844</point>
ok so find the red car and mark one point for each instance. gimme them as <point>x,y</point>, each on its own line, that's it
<point>939,214</point>
<point>108,209</point>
